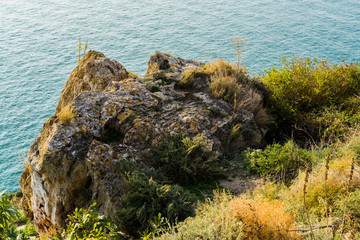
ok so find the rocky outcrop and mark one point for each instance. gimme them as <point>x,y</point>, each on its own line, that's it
<point>105,115</point>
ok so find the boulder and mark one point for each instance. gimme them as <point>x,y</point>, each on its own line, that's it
<point>105,115</point>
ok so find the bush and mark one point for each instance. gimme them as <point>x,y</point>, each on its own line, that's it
<point>225,87</point>
<point>146,198</point>
<point>280,162</point>
<point>186,161</point>
<point>263,219</point>
<point>88,224</point>
<point>303,86</point>
<point>225,80</point>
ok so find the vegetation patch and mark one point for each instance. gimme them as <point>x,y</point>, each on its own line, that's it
<point>228,217</point>
<point>185,161</point>
<point>190,76</point>
<point>66,115</point>
<point>303,91</point>
<point>213,220</point>
<point>88,224</point>
<point>280,162</point>
<point>11,218</point>
<point>146,198</point>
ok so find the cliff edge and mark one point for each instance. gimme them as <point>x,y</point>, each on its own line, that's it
<point>105,114</point>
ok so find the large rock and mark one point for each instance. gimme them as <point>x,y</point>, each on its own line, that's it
<point>105,115</point>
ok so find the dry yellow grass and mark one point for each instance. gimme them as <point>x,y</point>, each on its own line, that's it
<point>213,221</point>
<point>263,219</point>
<point>66,115</point>
<point>228,217</point>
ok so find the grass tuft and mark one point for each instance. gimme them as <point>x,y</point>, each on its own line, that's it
<point>66,115</point>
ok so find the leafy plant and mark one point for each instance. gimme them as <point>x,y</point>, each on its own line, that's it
<point>88,224</point>
<point>157,226</point>
<point>8,217</point>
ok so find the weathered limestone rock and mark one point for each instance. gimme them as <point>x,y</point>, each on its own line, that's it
<point>162,65</point>
<point>114,116</point>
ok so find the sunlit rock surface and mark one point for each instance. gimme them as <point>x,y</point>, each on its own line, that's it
<point>116,115</point>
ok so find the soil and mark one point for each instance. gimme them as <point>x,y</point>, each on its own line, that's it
<point>241,182</point>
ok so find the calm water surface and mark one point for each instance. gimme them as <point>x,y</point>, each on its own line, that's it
<point>38,46</point>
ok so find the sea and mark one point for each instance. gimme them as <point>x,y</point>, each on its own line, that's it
<point>39,47</point>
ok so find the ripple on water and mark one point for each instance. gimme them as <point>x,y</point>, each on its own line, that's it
<point>38,47</point>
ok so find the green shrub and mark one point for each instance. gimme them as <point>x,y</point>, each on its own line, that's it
<point>281,162</point>
<point>8,214</point>
<point>185,161</point>
<point>29,230</point>
<point>8,217</point>
<point>146,198</point>
<point>88,224</point>
<point>303,86</point>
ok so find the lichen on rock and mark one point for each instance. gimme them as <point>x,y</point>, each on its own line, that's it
<point>115,116</point>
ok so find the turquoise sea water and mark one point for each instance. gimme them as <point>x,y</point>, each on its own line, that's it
<point>38,46</point>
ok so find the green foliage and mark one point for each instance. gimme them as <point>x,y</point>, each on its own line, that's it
<point>8,217</point>
<point>185,161</point>
<point>301,88</point>
<point>157,226</point>
<point>29,230</point>
<point>280,162</point>
<point>88,224</point>
<point>213,220</point>
<point>304,84</point>
<point>146,198</point>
